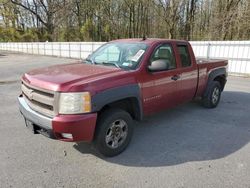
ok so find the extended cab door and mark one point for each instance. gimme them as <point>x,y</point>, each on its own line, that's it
<point>189,74</point>
<point>160,87</point>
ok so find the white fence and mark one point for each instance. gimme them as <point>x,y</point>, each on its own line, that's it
<point>237,52</point>
<point>60,49</point>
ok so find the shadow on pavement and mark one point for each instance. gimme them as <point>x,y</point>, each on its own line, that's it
<point>187,133</point>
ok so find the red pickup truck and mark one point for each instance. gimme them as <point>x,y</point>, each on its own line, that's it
<point>98,99</point>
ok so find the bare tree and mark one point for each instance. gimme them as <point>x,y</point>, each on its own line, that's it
<point>44,11</point>
<point>95,20</point>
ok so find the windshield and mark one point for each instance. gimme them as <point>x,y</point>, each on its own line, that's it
<point>121,55</point>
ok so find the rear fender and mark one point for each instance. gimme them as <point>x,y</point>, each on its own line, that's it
<point>212,76</point>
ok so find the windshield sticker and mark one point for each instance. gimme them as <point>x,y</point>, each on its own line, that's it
<point>127,64</point>
<point>137,56</point>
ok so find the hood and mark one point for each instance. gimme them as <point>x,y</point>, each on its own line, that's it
<point>62,77</point>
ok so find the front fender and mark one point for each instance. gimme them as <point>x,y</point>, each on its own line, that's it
<point>111,95</point>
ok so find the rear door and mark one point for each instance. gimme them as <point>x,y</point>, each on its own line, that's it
<point>189,74</point>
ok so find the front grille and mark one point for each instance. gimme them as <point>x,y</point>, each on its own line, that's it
<point>41,101</point>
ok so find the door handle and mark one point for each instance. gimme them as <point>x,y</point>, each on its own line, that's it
<point>175,77</point>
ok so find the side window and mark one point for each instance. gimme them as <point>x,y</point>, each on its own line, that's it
<point>184,55</point>
<point>164,52</point>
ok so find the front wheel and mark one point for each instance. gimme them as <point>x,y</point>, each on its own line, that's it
<point>212,98</point>
<point>114,132</point>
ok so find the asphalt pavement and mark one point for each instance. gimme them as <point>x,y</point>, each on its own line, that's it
<point>188,146</point>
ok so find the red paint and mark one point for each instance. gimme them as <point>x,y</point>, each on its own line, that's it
<point>82,127</point>
<point>158,90</point>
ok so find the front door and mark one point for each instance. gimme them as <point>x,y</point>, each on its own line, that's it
<point>160,88</point>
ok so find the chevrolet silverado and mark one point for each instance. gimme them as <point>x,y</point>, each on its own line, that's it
<point>99,98</point>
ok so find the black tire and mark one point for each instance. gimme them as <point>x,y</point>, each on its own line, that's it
<point>107,133</point>
<point>212,98</point>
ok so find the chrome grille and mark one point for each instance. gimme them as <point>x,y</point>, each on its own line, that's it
<point>41,101</point>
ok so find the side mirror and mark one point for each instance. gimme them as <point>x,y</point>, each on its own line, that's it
<point>159,65</point>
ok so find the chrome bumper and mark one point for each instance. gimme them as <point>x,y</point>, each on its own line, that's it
<point>34,117</point>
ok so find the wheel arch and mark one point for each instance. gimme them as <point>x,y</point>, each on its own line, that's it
<point>219,75</point>
<point>221,79</point>
<point>125,97</point>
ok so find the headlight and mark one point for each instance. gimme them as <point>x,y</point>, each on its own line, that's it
<point>74,103</point>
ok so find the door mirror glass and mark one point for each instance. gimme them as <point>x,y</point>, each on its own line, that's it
<point>159,65</point>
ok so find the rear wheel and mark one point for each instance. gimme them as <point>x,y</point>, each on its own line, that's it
<point>212,99</point>
<point>114,132</point>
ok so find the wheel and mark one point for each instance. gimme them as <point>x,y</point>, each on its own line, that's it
<point>212,99</point>
<point>114,132</point>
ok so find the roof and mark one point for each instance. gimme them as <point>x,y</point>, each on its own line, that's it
<point>148,40</point>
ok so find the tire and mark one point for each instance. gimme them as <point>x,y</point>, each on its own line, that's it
<point>212,98</point>
<point>114,132</point>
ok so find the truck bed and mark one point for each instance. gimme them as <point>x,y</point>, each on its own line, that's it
<point>205,66</point>
<point>211,63</point>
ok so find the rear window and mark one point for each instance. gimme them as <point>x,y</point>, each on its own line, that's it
<point>184,55</point>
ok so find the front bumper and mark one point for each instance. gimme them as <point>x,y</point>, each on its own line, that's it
<point>80,127</point>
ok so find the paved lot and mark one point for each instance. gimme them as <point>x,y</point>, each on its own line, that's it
<point>188,146</point>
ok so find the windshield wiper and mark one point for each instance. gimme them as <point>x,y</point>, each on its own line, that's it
<point>111,63</point>
<point>90,60</point>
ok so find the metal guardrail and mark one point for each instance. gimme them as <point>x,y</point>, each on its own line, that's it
<point>237,52</point>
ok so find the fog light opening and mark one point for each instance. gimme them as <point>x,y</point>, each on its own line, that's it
<point>67,135</point>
